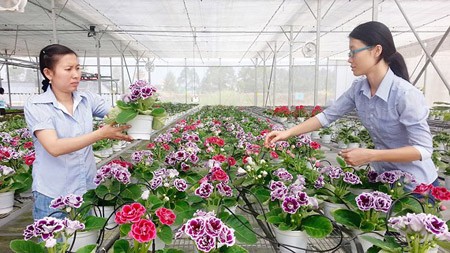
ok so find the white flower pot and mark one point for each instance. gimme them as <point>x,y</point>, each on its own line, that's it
<point>326,138</point>
<point>298,239</point>
<point>353,145</point>
<point>358,191</point>
<point>108,213</point>
<point>83,238</point>
<point>117,147</point>
<point>328,208</point>
<point>6,202</point>
<point>447,181</point>
<point>342,144</point>
<point>300,119</point>
<point>315,135</point>
<point>141,127</point>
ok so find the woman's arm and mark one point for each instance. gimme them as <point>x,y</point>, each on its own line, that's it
<point>61,146</point>
<point>305,127</point>
<point>360,156</point>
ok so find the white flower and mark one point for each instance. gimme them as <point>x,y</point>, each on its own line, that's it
<point>166,198</point>
<point>262,161</point>
<point>241,171</point>
<point>145,195</point>
<point>264,173</point>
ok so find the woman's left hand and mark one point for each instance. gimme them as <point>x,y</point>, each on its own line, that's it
<point>356,156</point>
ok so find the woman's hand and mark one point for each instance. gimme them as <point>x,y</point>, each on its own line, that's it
<point>275,136</point>
<point>356,156</point>
<point>115,132</point>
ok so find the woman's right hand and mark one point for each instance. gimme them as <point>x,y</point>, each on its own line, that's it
<point>275,136</point>
<point>115,132</point>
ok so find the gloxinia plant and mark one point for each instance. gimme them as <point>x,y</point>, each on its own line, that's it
<point>334,183</point>
<point>292,209</point>
<point>140,100</point>
<point>142,227</point>
<point>51,229</point>
<point>208,232</point>
<point>369,214</point>
<point>419,233</point>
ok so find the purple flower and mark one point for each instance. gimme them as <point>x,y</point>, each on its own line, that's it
<point>364,201</point>
<point>335,172</point>
<point>319,183</point>
<point>213,226</point>
<point>302,198</point>
<point>136,156</point>
<point>47,227</point>
<point>382,204</point>
<point>194,158</point>
<point>290,205</point>
<point>180,184</point>
<point>58,203</point>
<point>155,182</point>
<point>276,184</point>
<point>224,189</point>
<point>72,226</point>
<point>29,232</point>
<point>205,242</point>
<point>204,190</point>
<point>435,225</point>
<point>278,193</point>
<point>73,200</point>
<point>283,174</point>
<point>195,227</point>
<point>388,177</point>
<point>351,178</point>
<point>227,237</point>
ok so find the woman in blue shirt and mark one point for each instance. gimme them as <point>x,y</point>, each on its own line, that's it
<point>393,111</point>
<point>61,120</point>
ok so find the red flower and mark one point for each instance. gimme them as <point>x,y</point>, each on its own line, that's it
<point>177,140</point>
<point>440,193</point>
<point>231,161</point>
<point>151,145</point>
<point>166,216</point>
<point>29,160</point>
<point>219,158</point>
<point>166,147</point>
<point>274,155</point>
<point>244,159</point>
<point>220,175</point>
<point>130,213</point>
<point>28,145</point>
<point>143,231</point>
<point>314,145</point>
<point>423,188</point>
<point>264,132</point>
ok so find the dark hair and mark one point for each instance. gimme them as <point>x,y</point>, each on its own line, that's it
<point>2,90</point>
<point>375,33</point>
<point>48,57</point>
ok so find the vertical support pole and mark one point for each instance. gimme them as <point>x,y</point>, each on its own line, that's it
<point>375,10</point>
<point>8,81</point>
<point>38,78</point>
<point>255,98</point>
<point>111,82</point>
<point>264,79</point>
<point>55,38</point>
<point>274,79</point>
<point>186,81</point>
<point>316,79</point>
<point>99,81</point>
<point>291,68</point>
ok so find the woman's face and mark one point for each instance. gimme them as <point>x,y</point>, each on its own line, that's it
<point>65,75</point>
<point>362,60</point>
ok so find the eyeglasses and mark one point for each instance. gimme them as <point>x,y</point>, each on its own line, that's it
<point>352,53</point>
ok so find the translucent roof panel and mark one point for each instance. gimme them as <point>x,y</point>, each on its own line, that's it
<point>208,30</point>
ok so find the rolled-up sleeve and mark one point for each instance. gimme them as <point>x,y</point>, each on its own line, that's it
<point>99,106</point>
<point>344,104</point>
<point>414,118</point>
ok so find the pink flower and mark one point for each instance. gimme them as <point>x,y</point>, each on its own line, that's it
<point>143,231</point>
<point>130,213</point>
<point>166,216</point>
<point>440,193</point>
<point>220,175</point>
<point>423,188</point>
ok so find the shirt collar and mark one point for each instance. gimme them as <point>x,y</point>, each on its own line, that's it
<point>384,88</point>
<point>49,97</point>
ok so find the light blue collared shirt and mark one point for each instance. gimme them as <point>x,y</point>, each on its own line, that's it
<point>396,116</point>
<point>73,172</point>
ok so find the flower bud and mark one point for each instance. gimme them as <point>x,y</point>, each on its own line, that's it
<point>262,161</point>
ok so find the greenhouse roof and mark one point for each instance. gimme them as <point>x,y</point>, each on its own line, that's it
<point>212,30</point>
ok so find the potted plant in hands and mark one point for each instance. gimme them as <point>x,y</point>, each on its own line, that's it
<point>136,109</point>
<point>293,213</point>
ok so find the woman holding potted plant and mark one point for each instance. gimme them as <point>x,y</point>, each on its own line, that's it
<point>61,120</point>
<point>393,111</point>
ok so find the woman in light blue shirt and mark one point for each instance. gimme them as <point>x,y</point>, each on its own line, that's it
<point>388,105</point>
<point>61,120</point>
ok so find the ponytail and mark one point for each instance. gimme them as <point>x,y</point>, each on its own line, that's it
<point>45,84</point>
<point>398,65</point>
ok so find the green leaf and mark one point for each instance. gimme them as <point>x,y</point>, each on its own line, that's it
<point>125,229</point>
<point>94,223</point>
<point>22,246</point>
<point>132,192</point>
<point>183,211</point>
<point>170,250</point>
<point>159,112</point>
<point>233,249</point>
<point>165,234</point>
<point>444,244</point>
<point>121,246</point>
<point>317,226</point>
<point>262,194</point>
<point>126,115</point>
<point>275,219</point>
<point>122,105</point>
<point>240,225</point>
<point>86,249</point>
<point>347,217</point>
<point>387,246</point>
<point>341,162</point>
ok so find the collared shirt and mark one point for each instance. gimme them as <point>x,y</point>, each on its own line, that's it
<point>69,173</point>
<point>396,116</point>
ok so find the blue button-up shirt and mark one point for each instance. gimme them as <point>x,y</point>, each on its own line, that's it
<point>69,173</point>
<point>396,116</point>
